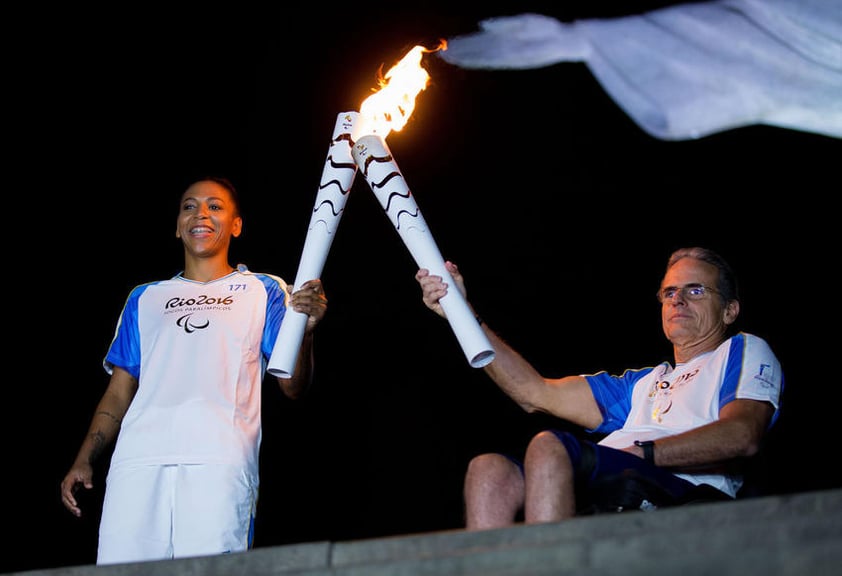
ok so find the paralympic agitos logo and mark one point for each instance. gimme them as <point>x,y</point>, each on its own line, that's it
<point>190,327</point>
<point>192,305</point>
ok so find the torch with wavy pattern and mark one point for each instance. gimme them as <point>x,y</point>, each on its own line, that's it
<point>337,178</point>
<point>386,181</point>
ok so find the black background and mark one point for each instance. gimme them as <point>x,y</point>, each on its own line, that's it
<point>559,210</point>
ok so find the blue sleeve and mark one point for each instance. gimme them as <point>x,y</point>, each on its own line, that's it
<point>125,347</point>
<point>733,371</point>
<point>276,307</point>
<point>753,372</point>
<point>613,395</point>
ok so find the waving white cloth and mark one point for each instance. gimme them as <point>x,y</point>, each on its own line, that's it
<point>689,70</point>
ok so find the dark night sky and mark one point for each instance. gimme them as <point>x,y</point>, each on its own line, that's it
<point>559,210</point>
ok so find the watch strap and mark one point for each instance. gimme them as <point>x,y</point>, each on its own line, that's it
<point>648,450</point>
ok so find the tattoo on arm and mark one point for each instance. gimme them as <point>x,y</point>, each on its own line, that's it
<point>114,419</point>
<point>98,436</point>
<point>98,439</point>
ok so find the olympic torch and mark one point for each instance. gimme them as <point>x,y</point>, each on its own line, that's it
<point>359,142</point>
<point>388,109</point>
<point>337,179</point>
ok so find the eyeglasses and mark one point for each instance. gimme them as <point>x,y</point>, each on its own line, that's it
<point>687,292</point>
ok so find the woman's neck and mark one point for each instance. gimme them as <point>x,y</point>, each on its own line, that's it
<point>204,270</point>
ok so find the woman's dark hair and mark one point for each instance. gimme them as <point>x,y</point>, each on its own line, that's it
<point>225,183</point>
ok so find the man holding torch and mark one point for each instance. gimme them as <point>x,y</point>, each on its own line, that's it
<point>672,432</point>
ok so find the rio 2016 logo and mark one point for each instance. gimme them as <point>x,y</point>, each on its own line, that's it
<point>187,321</point>
<point>203,300</point>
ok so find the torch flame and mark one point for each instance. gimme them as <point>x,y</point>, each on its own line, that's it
<point>392,103</point>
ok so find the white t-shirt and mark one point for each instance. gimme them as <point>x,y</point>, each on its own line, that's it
<point>650,403</point>
<point>199,352</point>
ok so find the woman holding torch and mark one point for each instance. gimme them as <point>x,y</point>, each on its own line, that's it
<point>183,405</point>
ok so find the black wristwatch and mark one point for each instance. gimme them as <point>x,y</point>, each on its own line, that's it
<point>648,450</point>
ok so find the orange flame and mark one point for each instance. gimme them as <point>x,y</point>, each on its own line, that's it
<point>392,103</point>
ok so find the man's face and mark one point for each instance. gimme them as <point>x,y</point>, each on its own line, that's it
<point>692,310</point>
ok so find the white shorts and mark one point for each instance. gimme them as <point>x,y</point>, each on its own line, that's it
<point>177,511</point>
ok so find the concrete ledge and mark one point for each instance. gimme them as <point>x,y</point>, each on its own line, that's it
<point>777,535</point>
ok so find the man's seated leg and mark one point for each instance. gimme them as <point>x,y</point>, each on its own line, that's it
<point>493,492</point>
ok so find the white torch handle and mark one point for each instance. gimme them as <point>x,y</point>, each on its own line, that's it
<point>337,179</point>
<point>386,181</point>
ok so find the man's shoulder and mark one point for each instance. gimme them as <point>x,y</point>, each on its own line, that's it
<point>746,341</point>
